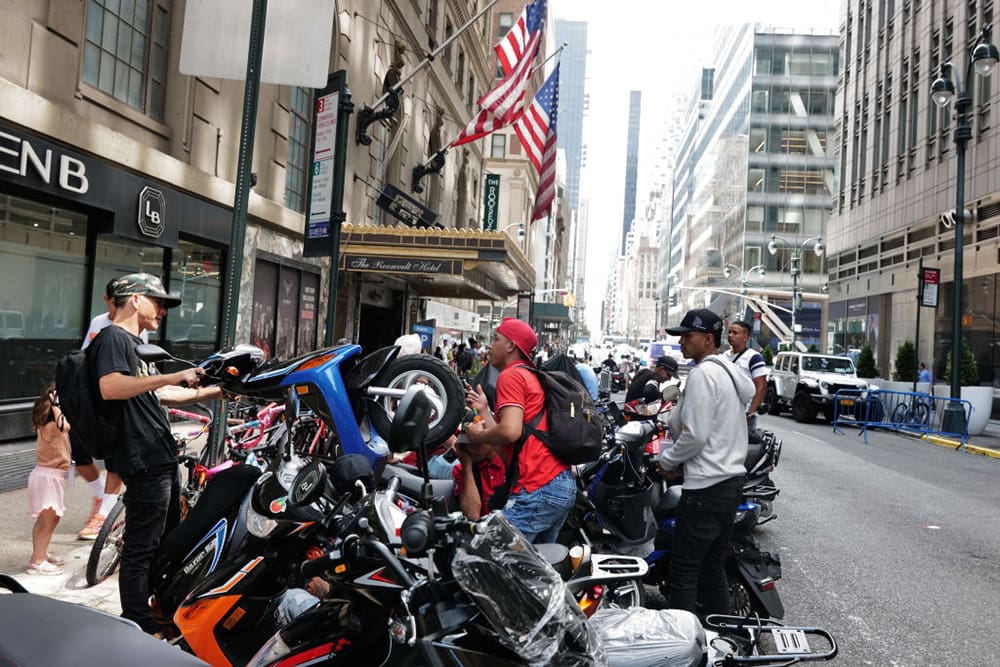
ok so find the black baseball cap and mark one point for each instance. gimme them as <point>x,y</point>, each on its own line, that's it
<point>699,319</point>
<point>668,363</point>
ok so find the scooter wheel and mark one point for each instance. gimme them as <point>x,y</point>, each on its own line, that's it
<point>435,375</point>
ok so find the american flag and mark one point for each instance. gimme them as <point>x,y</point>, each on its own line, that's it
<point>536,129</point>
<point>514,44</point>
<point>501,106</point>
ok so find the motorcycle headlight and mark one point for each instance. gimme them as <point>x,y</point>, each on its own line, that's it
<point>272,651</point>
<point>259,525</point>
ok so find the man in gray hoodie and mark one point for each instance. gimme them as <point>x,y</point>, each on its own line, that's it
<point>710,430</point>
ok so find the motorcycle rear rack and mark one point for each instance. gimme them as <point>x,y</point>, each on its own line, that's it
<point>791,643</point>
<point>762,492</point>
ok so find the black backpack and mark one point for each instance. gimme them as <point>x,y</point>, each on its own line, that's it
<point>80,400</point>
<point>575,431</point>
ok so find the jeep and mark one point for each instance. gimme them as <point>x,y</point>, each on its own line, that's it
<point>808,383</point>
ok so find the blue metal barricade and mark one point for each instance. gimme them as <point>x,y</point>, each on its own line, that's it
<point>913,412</point>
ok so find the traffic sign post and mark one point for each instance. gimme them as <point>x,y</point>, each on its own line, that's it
<point>928,281</point>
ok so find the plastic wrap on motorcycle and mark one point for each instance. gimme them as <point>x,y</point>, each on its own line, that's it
<point>524,598</point>
<point>639,637</point>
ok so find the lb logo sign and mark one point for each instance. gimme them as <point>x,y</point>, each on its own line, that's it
<point>152,211</point>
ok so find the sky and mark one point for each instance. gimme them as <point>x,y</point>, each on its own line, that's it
<point>656,46</point>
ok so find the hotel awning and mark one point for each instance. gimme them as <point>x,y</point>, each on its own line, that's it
<point>443,263</point>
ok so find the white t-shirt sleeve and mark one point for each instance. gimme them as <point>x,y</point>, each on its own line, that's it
<point>96,325</point>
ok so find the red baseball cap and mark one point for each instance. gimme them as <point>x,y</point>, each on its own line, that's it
<point>521,334</point>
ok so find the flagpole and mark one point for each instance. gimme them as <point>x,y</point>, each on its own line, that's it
<point>433,54</point>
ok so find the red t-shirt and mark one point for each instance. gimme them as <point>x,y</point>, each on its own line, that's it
<point>492,473</point>
<point>537,466</point>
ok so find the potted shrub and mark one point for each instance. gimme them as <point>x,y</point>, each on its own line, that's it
<point>866,363</point>
<point>980,397</point>
<point>903,371</point>
<point>768,355</point>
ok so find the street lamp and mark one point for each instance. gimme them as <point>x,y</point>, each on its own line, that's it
<point>520,234</point>
<point>984,58</point>
<point>795,269</point>
<point>727,271</point>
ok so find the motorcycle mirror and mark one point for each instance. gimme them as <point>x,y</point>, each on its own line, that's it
<point>152,353</point>
<point>671,393</point>
<point>291,404</point>
<point>308,485</point>
<point>410,423</point>
<point>650,393</point>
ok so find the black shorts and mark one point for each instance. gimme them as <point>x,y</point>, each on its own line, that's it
<point>81,456</point>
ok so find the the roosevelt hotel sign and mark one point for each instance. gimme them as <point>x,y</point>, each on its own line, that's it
<point>402,264</point>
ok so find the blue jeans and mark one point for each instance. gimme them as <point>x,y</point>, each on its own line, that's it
<point>152,508</point>
<point>540,514</point>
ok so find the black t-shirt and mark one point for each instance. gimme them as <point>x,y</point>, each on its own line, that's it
<point>639,382</point>
<point>144,438</point>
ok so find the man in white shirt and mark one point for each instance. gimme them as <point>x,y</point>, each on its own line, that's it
<point>751,363</point>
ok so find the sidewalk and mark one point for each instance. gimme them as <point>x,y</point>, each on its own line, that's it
<point>70,586</point>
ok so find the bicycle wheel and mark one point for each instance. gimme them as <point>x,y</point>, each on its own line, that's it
<point>901,414</point>
<point>921,414</point>
<point>107,549</point>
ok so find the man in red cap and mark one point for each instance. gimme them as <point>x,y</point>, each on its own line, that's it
<point>541,488</point>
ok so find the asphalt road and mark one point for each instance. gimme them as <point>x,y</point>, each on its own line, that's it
<point>892,546</point>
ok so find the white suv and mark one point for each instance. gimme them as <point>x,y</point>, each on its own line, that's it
<point>807,383</point>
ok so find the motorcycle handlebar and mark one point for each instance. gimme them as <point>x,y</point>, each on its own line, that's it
<point>315,567</point>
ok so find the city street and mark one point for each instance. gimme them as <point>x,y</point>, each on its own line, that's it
<point>891,546</point>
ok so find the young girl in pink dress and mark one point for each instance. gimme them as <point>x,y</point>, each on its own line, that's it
<point>47,481</point>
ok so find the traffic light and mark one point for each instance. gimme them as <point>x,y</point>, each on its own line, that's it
<point>797,301</point>
<point>673,299</point>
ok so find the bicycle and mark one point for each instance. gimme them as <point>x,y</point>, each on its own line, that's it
<point>916,414</point>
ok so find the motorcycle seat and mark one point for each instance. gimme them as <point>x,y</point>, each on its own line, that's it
<point>557,556</point>
<point>754,452</point>
<point>225,490</point>
<point>39,630</point>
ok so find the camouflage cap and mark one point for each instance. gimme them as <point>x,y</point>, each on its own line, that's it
<point>145,284</point>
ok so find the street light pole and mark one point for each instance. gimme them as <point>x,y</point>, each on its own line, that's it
<point>984,57</point>
<point>795,269</point>
<point>744,279</point>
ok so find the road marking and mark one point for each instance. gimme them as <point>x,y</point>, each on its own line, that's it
<point>930,526</point>
<point>808,437</point>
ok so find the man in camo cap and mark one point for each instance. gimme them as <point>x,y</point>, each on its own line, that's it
<point>144,453</point>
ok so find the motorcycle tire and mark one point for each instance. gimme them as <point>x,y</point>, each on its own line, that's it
<point>740,598</point>
<point>107,549</point>
<point>624,595</point>
<point>437,375</point>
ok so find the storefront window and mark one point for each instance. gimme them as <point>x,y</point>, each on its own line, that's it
<point>43,254</point>
<point>192,329</point>
<point>283,323</point>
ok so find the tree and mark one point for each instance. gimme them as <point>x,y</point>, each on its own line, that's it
<point>813,349</point>
<point>906,361</point>
<point>768,355</point>
<point>968,374</point>
<point>866,363</point>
